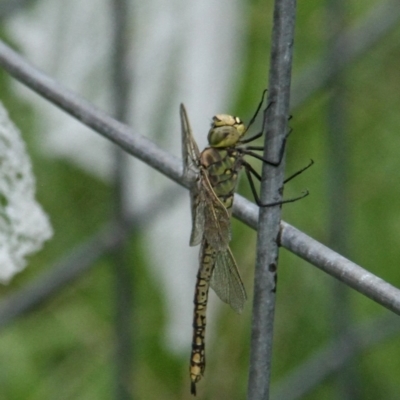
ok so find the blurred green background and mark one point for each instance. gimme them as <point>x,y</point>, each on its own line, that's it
<point>64,348</point>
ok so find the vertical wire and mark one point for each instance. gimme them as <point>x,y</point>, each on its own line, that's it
<point>9,7</point>
<point>271,190</point>
<point>338,166</point>
<point>122,270</point>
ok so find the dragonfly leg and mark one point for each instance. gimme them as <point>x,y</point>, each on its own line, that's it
<point>292,200</point>
<point>251,139</point>
<point>261,158</point>
<point>259,134</point>
<point>257,111</point>
<point>247,150</point>
<point>298,172</point>
<point>251,171</point>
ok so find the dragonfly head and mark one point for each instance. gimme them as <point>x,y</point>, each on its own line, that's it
<point>225,131</point>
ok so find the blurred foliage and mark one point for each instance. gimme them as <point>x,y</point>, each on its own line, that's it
<point>64,349</point>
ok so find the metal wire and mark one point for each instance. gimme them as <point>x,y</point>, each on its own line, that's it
<point>380,22</point>
<point>346,382</point>
<point>79,260</point>
<point>265,277</point>
<point>123,269</point>
<point>333,356</point>
<point>10,7</point>
<point>382,19</point>
<point>291,238</point>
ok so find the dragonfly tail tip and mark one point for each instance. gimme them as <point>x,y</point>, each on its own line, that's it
<point>193,388</point>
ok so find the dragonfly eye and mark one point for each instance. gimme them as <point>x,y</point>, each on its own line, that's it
<point>225,131</point>
<point>240,128</point>
<point>223,136</point>
<point>223,120</point>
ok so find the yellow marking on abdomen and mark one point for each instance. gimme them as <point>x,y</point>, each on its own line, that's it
<point>198,358</point>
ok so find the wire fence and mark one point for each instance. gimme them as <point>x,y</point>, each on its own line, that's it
<point>272,232</point>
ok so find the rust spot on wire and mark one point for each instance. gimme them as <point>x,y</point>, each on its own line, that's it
<point>272,267</point>
<point>279,237</point>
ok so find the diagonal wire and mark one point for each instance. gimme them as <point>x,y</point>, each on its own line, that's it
<point>382,19</point>
<point>265,276</point>
<point>325,259</point>
<point>9,7</point>
<point>79,260</point>
<point>346,382</point>
<point>379,22</point>
<point>291,238</point>
<point>334,355</point>
<point>351,44</point>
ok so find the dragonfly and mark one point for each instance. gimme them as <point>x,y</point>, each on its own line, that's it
<point>217,170</point>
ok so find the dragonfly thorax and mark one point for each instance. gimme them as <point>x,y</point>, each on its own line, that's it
<point>226,131</point>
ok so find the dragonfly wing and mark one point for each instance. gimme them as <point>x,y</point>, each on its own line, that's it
<point>191,162</point>
<point>190,150</point>
<point>217,220</point>
<point>226,281</point>
<point>198,218</point>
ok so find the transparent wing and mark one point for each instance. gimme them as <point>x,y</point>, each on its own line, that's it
<point>226,281</point>
<point>198,218</point>
<point>217,221</point>
<point>209,215</point>
<point>190,150</point>
<point>191,162</point>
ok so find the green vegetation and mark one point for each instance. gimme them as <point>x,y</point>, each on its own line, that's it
<point>64,349</point>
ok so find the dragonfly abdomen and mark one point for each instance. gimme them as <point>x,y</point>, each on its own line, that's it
<point>197,358</point>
